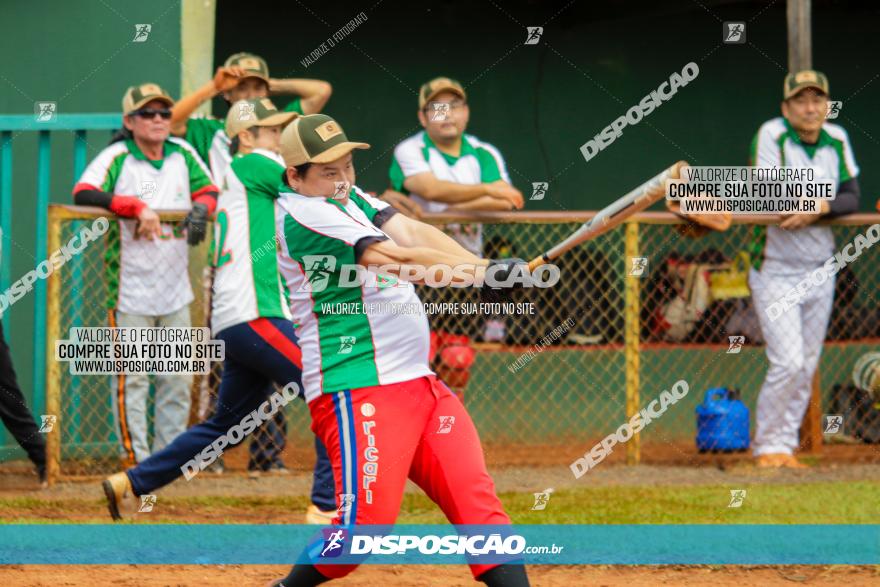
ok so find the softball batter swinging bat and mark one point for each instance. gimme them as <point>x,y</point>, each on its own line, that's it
<point>642,197</point>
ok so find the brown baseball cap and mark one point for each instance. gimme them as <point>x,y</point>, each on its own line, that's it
<point>257,112</point>
<point>254,65</point>
<point>807,78</point>
<point>315,138</point>
<point>137,96</point>
<point>430,90</point>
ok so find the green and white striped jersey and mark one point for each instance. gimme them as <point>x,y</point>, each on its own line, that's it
<point>777,144</point>
<point>148,277</point>
<point>349,336</point>
<point>247,284</point>
<point>478,162</point>
<point>208,137</point>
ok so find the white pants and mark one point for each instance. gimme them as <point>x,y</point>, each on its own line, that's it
<point>793,345</point>
<point>130,392</point>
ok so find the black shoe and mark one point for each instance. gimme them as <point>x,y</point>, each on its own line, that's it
<point>44,479</point>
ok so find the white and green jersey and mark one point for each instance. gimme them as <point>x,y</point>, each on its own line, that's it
<point>478,162</point>
<point>247,284</point>
<point>776,144</point>
<point>148,277</point>
<point>345,345</point>
<point>208,137</point>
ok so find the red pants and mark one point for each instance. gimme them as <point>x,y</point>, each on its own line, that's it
<point>377,437</point>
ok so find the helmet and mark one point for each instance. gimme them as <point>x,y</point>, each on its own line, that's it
<point>866,374</point>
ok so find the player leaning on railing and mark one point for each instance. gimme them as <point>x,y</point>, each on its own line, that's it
<point>249,313</point>
<point>790,252</point>
<point>444,169</point>
<point>146,260</point>
<point>244,76</point>
<point>366,375</point>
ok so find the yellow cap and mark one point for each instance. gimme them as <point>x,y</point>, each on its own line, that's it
<point>430,90</point>
<point>315,138</point>
<point>137,96</point>
<point>257,112</point>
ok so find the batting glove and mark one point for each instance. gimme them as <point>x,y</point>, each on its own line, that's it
<point>196,224</point>
<point>500,271</point>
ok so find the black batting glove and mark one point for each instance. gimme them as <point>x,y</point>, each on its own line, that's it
<point>501,271</point>
<point>196,224</point>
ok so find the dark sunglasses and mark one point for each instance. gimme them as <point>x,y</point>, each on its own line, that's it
<point>165,113</point>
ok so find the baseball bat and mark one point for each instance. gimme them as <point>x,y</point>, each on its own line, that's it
<point>614,214</point>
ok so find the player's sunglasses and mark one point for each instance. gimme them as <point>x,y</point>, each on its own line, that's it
<point>151,113</point>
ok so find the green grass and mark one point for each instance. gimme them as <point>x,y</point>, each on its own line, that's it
<point>803,503</point>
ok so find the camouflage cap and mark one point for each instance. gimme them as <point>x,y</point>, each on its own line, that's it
<point>807,78</point>
<point>257,112</point>
<point>254,65</point>
<point>137,96</point>
<point>430,90</point>
<point>315,138</point>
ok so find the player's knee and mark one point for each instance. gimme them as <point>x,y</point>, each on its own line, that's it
<point>786,371</point>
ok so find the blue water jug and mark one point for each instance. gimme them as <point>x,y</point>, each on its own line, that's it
<point>722,422</point>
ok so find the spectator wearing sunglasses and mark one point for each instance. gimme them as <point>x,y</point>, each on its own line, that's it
<point>146,261</point>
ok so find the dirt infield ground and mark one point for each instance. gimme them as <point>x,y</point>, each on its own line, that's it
<point>422,576</point>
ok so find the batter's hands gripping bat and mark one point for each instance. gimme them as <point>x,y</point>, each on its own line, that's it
<point>639,199</point>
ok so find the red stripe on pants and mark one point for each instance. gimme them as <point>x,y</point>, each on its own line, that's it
<point>276,339</point>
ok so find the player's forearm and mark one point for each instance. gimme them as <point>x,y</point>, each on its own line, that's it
<point>483,203</point>
<point>408,232</point>
<point>402,260</point>
<point>847,199</point>
<point>208,196</point>
<point>448,192</point>
<point>432,237</point>
<point>124,206</point>
<point>313,93</point>
<point>184,108</point>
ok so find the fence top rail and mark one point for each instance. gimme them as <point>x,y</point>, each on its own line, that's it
<point>581,216</point>
<point>69,212</point>
<point>28,122</point>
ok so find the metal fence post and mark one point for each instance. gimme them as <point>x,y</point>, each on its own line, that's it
<point>44,175</point>
<point>6,212</point>
<point>52,369</point>
<point>632,329</point>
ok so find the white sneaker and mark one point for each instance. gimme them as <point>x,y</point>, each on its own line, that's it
<point>315,515</point>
